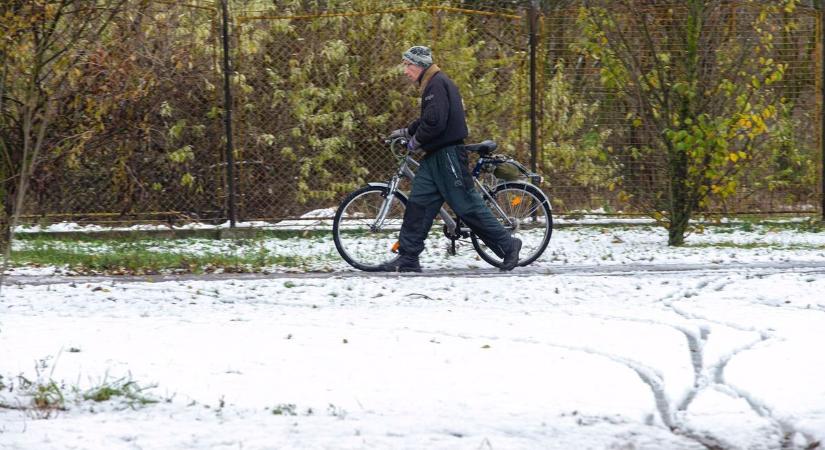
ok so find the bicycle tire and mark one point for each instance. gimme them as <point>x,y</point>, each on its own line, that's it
<point>528,205</point>
<point>361,246</point>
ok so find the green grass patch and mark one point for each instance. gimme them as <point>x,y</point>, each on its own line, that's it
<point>809,225</point>
<point>150,256</point>
<point>755,245</point>
<point>155,235</point>
<point>127,390</point>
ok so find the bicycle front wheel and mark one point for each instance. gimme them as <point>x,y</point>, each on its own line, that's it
<point>527,216</point>
<point>362,239</point>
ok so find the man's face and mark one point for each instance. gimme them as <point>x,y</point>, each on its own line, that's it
<point>412,71</point>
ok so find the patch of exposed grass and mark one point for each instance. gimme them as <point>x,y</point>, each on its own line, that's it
<point>810,225</point>
<point>178,235</point>
<point>46,395</point>
<point>125,389</point>
<point>145,257</point>
<point>755,245</point>
<point>285,409</point>
<point>42,396</point>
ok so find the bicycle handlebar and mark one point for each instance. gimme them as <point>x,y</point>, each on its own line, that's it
<point>395,143</point>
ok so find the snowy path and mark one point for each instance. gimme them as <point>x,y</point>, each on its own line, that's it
<point>530,271</point>
<point>630,359</point>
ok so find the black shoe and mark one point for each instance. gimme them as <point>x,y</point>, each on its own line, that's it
<point>511,258</point>
<point>404,263</point>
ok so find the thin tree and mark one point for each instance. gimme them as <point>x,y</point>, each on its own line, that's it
<point>43,43</point>
<point>698,74</point>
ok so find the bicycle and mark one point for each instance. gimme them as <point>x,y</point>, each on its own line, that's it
<point>368,220</point>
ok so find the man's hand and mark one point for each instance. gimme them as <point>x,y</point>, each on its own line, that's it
<point>412,144</point>
<point>400,133</point>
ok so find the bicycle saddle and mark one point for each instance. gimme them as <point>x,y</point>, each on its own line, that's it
<point>483,148</point>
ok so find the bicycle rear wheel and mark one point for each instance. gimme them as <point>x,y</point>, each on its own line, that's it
<point>361,241</point>
<point>529,218</point>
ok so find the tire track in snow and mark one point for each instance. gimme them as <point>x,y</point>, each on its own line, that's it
<point>787,429</point>
<point>713,375</point>
<point>703,376</point>
<point>695,344</point>
<point>706,376</point>
<point>695,341</point>
<point>651,377</point>
<point>656,383</point>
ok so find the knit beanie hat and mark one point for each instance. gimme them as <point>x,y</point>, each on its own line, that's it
<point>420,56</point>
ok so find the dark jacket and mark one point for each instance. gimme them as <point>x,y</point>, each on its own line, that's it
<point>442,120</point>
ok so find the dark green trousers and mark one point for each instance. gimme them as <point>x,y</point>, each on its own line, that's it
<point>444,176</point>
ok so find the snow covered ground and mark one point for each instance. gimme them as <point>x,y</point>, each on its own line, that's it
<point>578,245</point>
<point>725,359</point>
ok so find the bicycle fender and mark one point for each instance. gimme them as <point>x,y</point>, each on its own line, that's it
<point>378,184</point>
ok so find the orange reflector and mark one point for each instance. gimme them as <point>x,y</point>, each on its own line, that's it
<point>395,246</point>
<point>515,201</point>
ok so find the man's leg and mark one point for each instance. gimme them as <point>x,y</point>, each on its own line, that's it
<point>422,207</point>
<point>458,189</point>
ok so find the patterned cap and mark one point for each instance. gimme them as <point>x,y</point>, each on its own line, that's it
<point>420,56</point>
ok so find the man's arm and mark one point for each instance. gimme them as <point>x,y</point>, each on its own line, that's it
<point>433,120</point>
<point>413,126</point>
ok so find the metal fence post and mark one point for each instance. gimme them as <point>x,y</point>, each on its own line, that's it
<point>227,116</point>
<point>822,102</point>
<point>532,17</point>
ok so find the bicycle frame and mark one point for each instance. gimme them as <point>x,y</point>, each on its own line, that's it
<point>511,193</point>
<point>405,171</point>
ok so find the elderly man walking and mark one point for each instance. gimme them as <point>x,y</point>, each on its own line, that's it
<point>444,174</point>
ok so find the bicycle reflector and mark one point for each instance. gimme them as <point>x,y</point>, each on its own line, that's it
<point>396,246</point>
<point>515,201</point>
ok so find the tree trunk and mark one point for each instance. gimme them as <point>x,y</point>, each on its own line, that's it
<point>680,207</point>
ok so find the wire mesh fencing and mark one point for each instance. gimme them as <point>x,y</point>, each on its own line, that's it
<point>330,87</point>
<point>316,94</point>
<point>138,134</point>
<point>756,65</point>
<point>314,90</point>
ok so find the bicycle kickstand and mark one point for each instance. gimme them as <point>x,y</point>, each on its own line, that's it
<point>451,250</point>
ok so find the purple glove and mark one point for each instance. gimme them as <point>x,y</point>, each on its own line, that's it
<point>413,144</point>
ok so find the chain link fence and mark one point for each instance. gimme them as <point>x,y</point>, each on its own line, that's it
<point>315,94</point>
<point>315,91</point>
<point>139,135</point>
<point>598,149</point>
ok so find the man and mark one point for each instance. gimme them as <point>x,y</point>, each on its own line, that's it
<point>444,174</point>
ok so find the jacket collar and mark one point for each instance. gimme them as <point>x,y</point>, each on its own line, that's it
<point>427,75</point>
